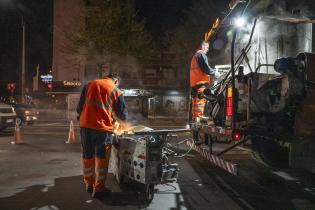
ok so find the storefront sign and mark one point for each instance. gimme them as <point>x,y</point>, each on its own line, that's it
<point>69,83</point>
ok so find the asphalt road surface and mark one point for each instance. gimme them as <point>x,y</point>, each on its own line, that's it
<point>45,173</point>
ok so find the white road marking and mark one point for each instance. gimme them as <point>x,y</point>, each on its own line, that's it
<point>285,175</point>
<point>49,207</point>
<point>163,199</point>
<point>45,189</point>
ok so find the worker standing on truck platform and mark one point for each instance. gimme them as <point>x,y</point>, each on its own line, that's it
<point>200,73</point>
<point>98,100</point>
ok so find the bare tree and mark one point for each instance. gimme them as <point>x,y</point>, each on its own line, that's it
<point>187,37</point>
<point>112,32</point>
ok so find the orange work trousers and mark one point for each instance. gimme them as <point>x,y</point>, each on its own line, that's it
<point>96,149</point>
<point>198,104</point>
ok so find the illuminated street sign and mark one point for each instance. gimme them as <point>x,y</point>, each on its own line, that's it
<point>46,78</point>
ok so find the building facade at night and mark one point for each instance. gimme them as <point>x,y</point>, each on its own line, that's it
<point>68,20</point>
<point>160,75</point>
<point>70,67</point>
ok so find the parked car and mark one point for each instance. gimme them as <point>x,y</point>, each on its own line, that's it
<point>7,116</point>
<point>25,113</point>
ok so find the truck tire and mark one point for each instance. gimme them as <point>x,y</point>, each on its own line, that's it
<point>147,194</point>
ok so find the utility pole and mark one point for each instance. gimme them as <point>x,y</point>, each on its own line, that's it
<point>23,62</point>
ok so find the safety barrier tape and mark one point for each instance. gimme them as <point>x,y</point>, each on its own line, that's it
<point>230,167</point>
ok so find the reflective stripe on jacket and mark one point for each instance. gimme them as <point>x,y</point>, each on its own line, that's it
<point>198,105</point>
<point>100,97</point>
<point>197,76</point>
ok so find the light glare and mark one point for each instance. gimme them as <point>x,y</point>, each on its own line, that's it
<point>240,22</point>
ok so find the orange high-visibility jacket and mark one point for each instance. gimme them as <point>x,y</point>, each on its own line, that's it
<point>97,112</point>
<point>197,76</point>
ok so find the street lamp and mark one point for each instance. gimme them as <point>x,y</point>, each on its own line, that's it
<point>13,4</point>
<point>23,62</point>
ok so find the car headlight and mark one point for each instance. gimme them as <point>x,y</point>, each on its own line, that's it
<point>26,112</point>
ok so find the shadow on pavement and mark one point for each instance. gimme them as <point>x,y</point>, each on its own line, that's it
<point>122,199</point>
<point>66,193</point>
<point>130,193</point>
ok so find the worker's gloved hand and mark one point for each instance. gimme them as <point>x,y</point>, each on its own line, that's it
<point>120,127</point>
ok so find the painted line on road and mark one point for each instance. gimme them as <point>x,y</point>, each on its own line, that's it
<point>285,175</point>
<point>288,177</point>
<point>243,148</point>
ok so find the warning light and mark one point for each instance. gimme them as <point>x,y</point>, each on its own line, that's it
<point>11,86</point>
<point>229,109</point>
<point>49,86</point>
<point>236,136</point>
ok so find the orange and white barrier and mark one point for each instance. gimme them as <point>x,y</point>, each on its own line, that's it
<point>230,167</point>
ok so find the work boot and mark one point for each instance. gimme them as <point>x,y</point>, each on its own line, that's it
<point>102,193</point>
<point>89,189</point>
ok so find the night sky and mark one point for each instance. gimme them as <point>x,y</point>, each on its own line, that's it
<point>160,16</point>
<point>38,19</point>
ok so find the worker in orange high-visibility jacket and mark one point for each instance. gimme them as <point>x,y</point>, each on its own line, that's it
<point>200,73</point>
<point>99,99</point>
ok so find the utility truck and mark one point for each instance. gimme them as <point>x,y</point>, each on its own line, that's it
<point>266,94</point>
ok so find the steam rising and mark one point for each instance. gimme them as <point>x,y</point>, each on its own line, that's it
<point>284,30</point>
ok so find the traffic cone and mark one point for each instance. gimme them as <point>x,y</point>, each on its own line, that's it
<point>71,136</point>
<point>17,135</point>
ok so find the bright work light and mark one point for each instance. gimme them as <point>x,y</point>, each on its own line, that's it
<point>239,21</point>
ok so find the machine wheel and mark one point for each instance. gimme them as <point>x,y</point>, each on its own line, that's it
<point>268,151</point>
<point>148,193</point>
